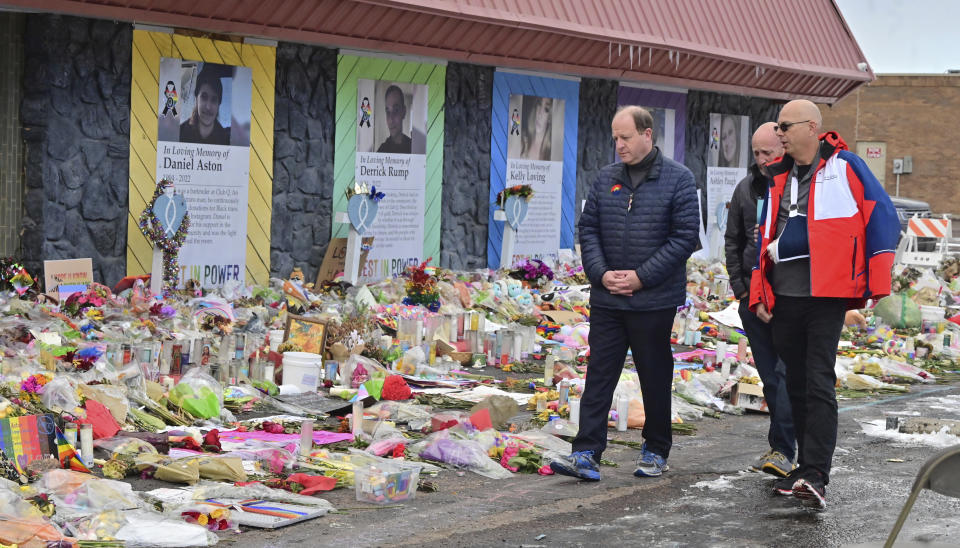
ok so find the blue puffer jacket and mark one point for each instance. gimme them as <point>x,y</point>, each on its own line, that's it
<point>655,237</point>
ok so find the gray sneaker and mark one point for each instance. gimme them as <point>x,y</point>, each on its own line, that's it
<point>774,463</point>
<point>757,466</point>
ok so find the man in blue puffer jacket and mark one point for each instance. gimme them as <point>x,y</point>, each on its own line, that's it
<point>637,230</point>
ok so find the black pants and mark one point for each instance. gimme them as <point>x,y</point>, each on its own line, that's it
<point>773,373</point>
<point>648,336</point>
<point>806,331</point>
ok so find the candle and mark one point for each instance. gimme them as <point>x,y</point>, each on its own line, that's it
<point>575,411</point>
<point>356,426</point>
<point>306,437</point>
<point>548,370</point>
<point>86,444</point>
<point>623,410</point>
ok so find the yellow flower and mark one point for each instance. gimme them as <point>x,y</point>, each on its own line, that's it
<point>218,513</point>
<point>202,519</point>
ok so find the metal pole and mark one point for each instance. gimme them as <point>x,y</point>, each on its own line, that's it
<point>898,184</point>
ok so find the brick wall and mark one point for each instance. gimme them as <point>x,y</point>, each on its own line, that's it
<point>916,115</point>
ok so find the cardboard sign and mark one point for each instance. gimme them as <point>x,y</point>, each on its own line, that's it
<point>334,260</point>
<point>748,396</point>
<point>61,278</point>
<point>563,317</point>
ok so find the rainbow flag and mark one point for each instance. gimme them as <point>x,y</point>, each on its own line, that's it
<point>68,455</point>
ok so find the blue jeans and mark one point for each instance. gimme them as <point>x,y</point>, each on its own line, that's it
<point>773,373</point>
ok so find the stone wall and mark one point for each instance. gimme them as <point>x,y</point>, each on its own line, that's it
<point>75,115</point>
<point>598,104</point>
<point>466,167</point>
<point>302,158</point>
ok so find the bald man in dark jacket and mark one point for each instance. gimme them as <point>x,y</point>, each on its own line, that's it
<point>741,253</point>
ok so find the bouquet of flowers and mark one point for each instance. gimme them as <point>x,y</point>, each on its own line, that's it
<point>214,520</point>
<point>532,271</point>
<point>422,286</point>
<point>521,191</point>
<point>94,297</point>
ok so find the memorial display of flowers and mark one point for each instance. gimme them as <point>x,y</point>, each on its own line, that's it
<point>520,191</point>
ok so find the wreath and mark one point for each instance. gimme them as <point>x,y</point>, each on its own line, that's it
<point>151,228</point>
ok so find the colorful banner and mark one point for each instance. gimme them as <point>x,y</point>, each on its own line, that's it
<point>230,196</point>
<point>534,142</point>
<point>390,136</point>
<point>203,146</point>
<point>728,153</point>
<point>669,111</point>
<point>34,437</point>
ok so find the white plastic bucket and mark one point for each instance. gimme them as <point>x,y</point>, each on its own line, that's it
<point>302,369</point>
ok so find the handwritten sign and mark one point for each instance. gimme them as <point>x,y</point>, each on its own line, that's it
<point>67,276</point>
<point>334,260</point>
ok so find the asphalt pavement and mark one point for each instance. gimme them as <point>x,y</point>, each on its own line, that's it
<point>708,498</point>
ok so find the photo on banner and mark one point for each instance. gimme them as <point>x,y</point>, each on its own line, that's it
<point>203,146</point>
<point>728,153</point>
<point>536,128</point>
<point>391,156</point>
<point>535,158</point>
<point>389,135</point>
<point>533,142</point>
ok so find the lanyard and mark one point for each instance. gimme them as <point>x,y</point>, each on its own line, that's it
<point>794,190</point>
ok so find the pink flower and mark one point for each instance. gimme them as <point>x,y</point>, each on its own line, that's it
<point>509,453</point>
<point>545,471</point>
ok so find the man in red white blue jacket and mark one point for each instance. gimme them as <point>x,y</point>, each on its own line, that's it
<point>828,233</point>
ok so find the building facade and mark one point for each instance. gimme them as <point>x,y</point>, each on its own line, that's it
<point>906,115</point>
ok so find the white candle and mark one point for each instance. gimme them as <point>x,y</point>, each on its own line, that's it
<point>306,437</point>
<point>575,411</point>
<point>356,426</point>
<point>86,444</point>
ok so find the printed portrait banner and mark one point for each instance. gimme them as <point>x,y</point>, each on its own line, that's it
<point>534,142</point>
<point>390,137</point>
<point>669,110</point>
<point>203,146</point>
<point>728,151</point>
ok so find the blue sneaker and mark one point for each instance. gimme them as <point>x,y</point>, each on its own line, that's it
<point>579,464</point>
<point>650,464</point>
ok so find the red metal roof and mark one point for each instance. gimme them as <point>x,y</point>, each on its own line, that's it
<point>783,49</point>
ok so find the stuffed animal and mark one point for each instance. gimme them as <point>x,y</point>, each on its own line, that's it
<point>514,288</point>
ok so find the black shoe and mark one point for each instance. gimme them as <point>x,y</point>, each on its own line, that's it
<point>811,492</point>
<point>784,485</point>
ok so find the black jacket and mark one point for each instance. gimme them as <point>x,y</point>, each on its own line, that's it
<point>740,243</point>
<point>655,237</point>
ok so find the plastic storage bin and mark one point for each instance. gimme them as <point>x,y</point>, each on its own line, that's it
<point>385,483</point>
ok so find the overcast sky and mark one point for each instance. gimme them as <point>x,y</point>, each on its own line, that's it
<point>911,36</point>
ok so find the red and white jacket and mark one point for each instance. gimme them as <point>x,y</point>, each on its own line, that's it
<point>852,228</point>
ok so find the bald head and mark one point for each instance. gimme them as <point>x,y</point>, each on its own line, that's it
<point>766,145</point>
<point>804,110</point>
<point>800,138</point>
